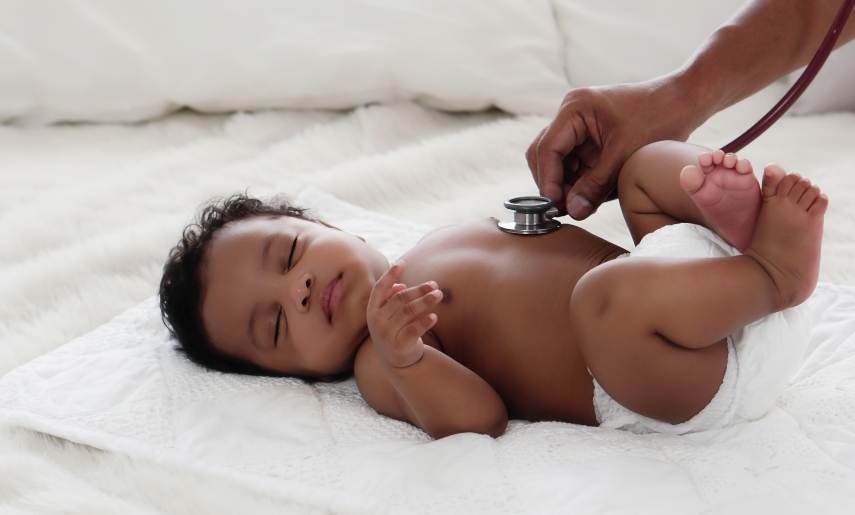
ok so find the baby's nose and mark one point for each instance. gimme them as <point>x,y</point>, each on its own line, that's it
<point>302,292</point>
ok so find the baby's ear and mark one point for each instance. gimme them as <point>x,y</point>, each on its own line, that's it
<point>331,226</point>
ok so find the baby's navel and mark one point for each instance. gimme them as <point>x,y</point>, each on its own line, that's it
<point>446,296</point>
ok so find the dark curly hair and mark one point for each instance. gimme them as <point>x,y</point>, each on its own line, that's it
<point>181,287</point>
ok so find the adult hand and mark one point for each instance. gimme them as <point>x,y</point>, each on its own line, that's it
<point>576,159</point>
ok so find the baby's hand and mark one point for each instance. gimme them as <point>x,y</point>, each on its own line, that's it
<point>398,317</point>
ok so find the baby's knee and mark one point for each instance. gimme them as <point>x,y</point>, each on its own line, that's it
<point>633,170</point>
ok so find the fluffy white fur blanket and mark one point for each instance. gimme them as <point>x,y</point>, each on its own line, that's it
<point>88,213</point>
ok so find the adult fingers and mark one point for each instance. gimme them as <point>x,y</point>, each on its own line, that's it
<point>531,153</point>
<point>594,185</point>
<point>558,140</point>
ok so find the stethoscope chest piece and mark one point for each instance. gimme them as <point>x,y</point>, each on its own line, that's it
<point>532,215</point>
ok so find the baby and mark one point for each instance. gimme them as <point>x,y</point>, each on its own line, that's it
<point>479,325</point>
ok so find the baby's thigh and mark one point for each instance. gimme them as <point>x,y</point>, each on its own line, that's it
<point>657,378</point>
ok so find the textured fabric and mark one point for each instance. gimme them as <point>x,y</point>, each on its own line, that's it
<point>108,60</point>
<point>123,387</point>
<point>831,89</point>
<point>93,209</point>
<point>624,41</point>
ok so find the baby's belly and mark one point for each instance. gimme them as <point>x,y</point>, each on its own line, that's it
<point>523,345</point>
<point>539,378</point>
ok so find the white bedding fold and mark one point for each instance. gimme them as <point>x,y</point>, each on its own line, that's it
<point>124,388</point>
<point>88,212</point>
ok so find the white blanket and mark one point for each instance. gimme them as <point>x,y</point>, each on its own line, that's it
<point>87,214</point>
<point>124,388</point>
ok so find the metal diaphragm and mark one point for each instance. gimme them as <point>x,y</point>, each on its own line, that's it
<point>532,215</point>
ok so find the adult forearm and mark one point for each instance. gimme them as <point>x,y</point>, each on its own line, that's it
<point>764,41</point>
<point>446,398</point>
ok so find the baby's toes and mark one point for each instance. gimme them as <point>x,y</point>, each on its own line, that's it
<point>729,160</point>
<point>799,189</point>
<point>705,160</point>
<point>820,205</point>
<point>808,197</point>
<point>717,156</point>
<point>772,176</point>
<point>691,179</point>
<point>787,184</point>
<point>744,166</point>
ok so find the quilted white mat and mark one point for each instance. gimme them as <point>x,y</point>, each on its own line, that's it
<point>88,213</point>
<point>124,388</point>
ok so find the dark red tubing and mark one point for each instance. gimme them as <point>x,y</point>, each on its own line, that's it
<point>798,88</point>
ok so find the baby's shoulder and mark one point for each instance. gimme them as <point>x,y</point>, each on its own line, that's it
<point>448,246</point>
<point>463,231</point>
<point>438,231</point>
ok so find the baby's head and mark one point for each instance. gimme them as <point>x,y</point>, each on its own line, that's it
<point>262,288</point>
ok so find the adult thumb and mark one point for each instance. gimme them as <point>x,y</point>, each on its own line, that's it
<point>593,187</point>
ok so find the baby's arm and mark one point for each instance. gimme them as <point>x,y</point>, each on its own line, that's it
<point>401,377</point>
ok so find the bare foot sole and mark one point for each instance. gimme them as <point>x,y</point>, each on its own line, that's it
<point>727,194</point>
<point>788,237</point>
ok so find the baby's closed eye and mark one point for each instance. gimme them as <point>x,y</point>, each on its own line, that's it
<point>280,315</point>
<point>289,263</point>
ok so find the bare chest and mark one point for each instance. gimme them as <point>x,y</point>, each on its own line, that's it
<point>505,312</point>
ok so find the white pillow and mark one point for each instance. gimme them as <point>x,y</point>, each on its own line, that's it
<point>125,60</point>
<point>833,88</point>
<point>623,41</point>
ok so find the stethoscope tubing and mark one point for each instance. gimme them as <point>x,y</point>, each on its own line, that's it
<point>800,86</point>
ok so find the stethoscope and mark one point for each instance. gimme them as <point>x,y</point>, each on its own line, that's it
<point>534,214</point>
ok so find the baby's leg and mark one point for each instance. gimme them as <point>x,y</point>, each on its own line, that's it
<point>653,330</point>
<point>670,182</point>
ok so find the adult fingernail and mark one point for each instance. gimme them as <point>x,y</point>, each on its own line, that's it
<point>578,207</point>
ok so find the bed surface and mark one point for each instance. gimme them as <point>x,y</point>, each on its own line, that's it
<point>88,213</point>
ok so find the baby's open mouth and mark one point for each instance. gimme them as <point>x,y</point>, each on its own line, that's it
<point>331,297</point>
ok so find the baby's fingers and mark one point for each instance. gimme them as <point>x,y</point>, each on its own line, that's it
<point>415,329</point>
<point>406,295</point>
<point>408,344</point>
<point>383,288</point>
<point>408,311</point>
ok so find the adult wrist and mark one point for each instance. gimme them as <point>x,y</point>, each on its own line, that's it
<point>684,104</point>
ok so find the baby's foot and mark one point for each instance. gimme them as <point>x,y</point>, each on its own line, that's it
<point>727,194</point>
<point>788,236</point>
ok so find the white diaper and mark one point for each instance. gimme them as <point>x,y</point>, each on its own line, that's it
<point>761,357</point>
